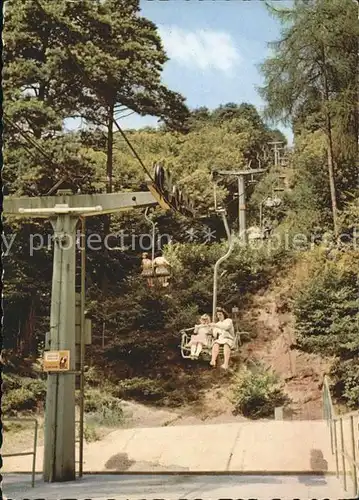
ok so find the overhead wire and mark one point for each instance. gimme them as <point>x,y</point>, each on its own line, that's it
<point>73,58</point>
<point>39,148</point>
<point>28,138</point>
<point>132,148</point>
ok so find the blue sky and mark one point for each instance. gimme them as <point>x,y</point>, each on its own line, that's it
<point>214,48</point>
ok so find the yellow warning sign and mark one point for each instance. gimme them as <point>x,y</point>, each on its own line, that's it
<point>56,361</point>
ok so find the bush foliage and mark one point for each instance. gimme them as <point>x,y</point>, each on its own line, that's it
<point>257,393</point>
<point>327,318</point>
<point>22,394</point>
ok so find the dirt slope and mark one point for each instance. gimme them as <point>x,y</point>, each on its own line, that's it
<point>270,317</point>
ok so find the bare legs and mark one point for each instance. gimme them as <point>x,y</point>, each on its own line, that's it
<point>226,352</point>
<point>162,280</point>
<point>227,355</point>
<point>215,352</point>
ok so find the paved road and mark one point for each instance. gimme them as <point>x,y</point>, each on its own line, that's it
<point>175,487</point>
<point>289,447</point>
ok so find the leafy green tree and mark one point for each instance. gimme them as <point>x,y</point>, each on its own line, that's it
<point>326,310</point>
<point>316,58</point>
<point>119,72</point>
<point>80,59</point>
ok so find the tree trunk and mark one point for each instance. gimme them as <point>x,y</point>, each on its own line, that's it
<point>27,338</point>
<point>330,155</point>
<point>332,182</point>
<point>331,173</point>
<point>109,163</point>
<point>357,100</point>
<point>109,173</point>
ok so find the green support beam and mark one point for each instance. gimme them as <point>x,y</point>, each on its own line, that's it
<point>59,450</point>
<point>64,211</point>
<point>91,203</point>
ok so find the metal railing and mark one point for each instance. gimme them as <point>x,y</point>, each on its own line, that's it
<point>344,436</point>
<point>22,454</point>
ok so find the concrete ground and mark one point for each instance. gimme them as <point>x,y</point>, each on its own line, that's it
<point>276,447</point>
<point>175,487</point>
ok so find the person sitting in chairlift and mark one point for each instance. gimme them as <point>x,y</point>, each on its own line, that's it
<point>200,337</point>
<point>267,228</point>
<point>147,269</point>
<point>162,269</point>
<point>223,333</point>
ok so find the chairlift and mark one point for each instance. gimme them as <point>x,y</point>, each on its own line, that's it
<point>187,332</point>
<point>160,272</point>
<point>206,350</point>
<point>254,233</point>
<point>272,202</point>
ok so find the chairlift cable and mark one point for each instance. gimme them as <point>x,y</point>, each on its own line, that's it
<point>73,58</point>
<point>40,149</point>
<point>132,149</point>
<point>29,139</point>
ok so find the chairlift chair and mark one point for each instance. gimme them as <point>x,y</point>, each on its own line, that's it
<point>186,337</point>
<point>206,350</point>
<point>187,332</point>
<point>157,279</point>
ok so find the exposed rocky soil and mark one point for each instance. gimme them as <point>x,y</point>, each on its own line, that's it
<point>271,319</point>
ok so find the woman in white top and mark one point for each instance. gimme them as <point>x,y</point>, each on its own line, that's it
<point>162,269</point>
<point>223,333</point>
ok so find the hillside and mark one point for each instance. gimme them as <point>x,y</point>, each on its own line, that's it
<point>269,317</point>
<point>295,283</point>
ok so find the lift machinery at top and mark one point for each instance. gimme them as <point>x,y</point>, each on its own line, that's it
<point>168,195</point>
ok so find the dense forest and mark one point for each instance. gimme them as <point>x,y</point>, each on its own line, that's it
<point>98,62</point>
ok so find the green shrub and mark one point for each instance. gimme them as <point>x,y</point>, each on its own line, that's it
<point>345,382</point>
<point>36,386</point>
<point>13,426</point>
<point>97,399</point>
<point>257,393</point>
<point>11,381</point>
<point>102,408</point>
<point>18,400</point>
<point>90,433</point>
<point>144,389</point>
<point>326,312</point>
<point>22,394</point>
<point>94,378</point>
